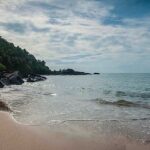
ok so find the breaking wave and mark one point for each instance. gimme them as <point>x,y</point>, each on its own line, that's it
<point>133,94</point>
<point>124,103</point>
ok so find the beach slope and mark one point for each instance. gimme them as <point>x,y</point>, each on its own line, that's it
<point>14,136</point>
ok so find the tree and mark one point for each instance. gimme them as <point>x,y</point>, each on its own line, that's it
<point>2,67</point>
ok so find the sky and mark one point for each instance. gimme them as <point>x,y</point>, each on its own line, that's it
<point>108,36</point>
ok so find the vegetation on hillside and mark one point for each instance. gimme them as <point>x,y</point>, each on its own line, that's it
<point>2,67</point>
<point>15,58</point>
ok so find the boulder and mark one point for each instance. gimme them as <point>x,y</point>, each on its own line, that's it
<point>14,78</point>
<point>5,81</point>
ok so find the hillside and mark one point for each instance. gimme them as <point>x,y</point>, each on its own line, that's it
<point>15,58</point>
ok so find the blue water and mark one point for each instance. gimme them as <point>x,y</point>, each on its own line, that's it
<point>73,103</point>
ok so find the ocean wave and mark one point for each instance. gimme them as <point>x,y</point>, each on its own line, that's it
<point>124,103</point>
<point>15,90</point>
<point>133,94</point>
<point>50,94</point>
<point>96,120</point>
<point>106,92</point>
<point>120,93</point>
<point>147,89</point>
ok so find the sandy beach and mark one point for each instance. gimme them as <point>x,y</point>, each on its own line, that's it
<point>15,136</point>
<point>74,75</point>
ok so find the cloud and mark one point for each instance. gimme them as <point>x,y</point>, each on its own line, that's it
<point>111,35</point>
<point>16,27</point>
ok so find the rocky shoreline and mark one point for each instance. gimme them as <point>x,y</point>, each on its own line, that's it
<point>15,78</point>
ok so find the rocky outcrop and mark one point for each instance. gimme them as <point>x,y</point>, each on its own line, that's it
<point>13,78</point>
<point>10,79</point>
<point>16,79</point>
<point>35,78</point>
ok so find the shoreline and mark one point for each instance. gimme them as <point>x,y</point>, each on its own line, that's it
<point>14,135</point>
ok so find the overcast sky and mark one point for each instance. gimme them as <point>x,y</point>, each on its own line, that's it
<point>87,35</point>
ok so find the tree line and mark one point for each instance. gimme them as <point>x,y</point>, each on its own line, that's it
<point>15,58</point>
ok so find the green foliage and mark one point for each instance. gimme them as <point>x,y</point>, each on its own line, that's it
<point>15,58</point>
<point>2,67</point>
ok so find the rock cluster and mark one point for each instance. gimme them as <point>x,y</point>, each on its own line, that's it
<point>15,78</point>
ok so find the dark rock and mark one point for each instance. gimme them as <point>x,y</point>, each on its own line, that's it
<point>96,73</point>
<point>13,78</point>
<point>5,81</point>
<point>29,79</point>
<point>1,84</point>
<point>4,107</point>
<point>35,78</point>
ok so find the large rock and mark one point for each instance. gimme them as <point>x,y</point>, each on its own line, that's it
<point>13,78</point>
<point>5,81</point>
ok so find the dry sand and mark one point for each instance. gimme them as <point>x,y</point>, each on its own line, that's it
<point>14,136</point>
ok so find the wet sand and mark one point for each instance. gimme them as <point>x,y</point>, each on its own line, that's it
<point>14,136</point>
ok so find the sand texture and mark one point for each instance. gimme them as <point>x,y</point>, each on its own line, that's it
<point>14,136</point>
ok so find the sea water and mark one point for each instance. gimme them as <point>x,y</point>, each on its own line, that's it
<point>92,104</point>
